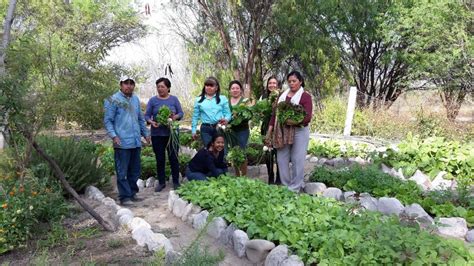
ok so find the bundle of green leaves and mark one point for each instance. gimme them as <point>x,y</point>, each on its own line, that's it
<point>163,115</point>
<point>236,156</point>
<point>261,110</point>
<point>288,110</point>
<point>240,113</point>
<point>320,230</point>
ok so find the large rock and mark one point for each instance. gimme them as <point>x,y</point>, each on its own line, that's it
<point>422,180</point>
<point>194,211</point>
<point>200,220</point>
<point>125,219</point>
<point>109,202</point>
<point>416,212</point>
<point>142,235</point>
<point>277,256</point>
<point>313,159</point>
<point>322,161</point>
<point>315,188</point>
<point>333,192</point>
<point>159,241</point>
<point>150,182</point>
<point>216,227</point>
<point>171,199</point>
<point>94,193</point>
<point>140,184</point>
<point>453,227</point>
<point>439,183</point>
<point>357,160</point>
<point>258,249</point>
<point>139,222</point>
<point>349,196</point>
<point>109,215</point>
<point>226,236</point>
<point>368,202</point>
<point>239,241</point>
<point>470,236</point>
<point>389,206</point>
<point>292,260</point>
<point>179,207</point>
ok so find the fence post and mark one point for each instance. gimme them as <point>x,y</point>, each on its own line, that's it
<point>350,111</point>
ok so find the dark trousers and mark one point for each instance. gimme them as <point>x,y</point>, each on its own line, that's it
<point>269,161</point>
<point>160,147</point>
<point>128,169</point>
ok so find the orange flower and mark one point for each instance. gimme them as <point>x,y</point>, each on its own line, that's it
<point>12,193</point>
<point>4,205</point>
<point>34,193</point>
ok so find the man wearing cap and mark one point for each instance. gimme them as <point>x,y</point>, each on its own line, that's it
<point>125,124</point>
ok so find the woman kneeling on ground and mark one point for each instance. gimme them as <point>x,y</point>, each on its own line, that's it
<point>209,161</point>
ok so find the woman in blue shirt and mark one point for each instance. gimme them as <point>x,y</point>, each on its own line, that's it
<point>209,161</point>
<point>160,134</point>
<point>211,108</point>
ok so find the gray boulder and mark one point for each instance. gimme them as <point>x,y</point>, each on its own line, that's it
<point>172,196</point>
<point>226,236</point>
<point>150,182</point>
<point>292,260</point>
<point>422,180</point>
<point>94,193</point>
<point>416,212</point>
<point>277,256</point>
<point>179,207</point>
<point>439,183</point>
<point>139,222</point>
<point>313,159</point>
<point>142,235</point>
<point>200,220</point>
<point>333,192</point>
<point>140,184</point>
<point>368,202</point>
<point>258,249</point>
<point>453,227</point>
<point>239,241</point>
<point>159,241</point>
<point>216,227</point>
<point>314,188</point>
<point>349,196</point>
<point>389,206</point>
<point>470,236</point>
<point>194,211</point>
<point>109,202</point>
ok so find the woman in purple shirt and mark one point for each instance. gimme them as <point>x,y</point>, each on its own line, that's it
<point>160,134</point>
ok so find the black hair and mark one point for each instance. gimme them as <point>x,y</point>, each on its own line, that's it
<point>214,138</point>
<point>214,81</point>
<point>166,81</point>
<point>266,92</point>
<point>128,80</point>
<point>298,75</point>
<point>238,83</point>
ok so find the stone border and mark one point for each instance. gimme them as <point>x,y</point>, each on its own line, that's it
<point>139,228</point>
<point>256,250</point>
<point>447,227</point>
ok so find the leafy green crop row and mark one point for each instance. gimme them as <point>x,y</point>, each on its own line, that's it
<point>334,149</point>
<point>320,230</point>
<point>372,180</point>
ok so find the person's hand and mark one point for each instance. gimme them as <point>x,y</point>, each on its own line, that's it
<point>116,141</point>
<point>148,139</point>
<point>154,123</point>
<point>195,136</point>
<point>175,117</point>
<point>223,121</point>
<point>291,122</point>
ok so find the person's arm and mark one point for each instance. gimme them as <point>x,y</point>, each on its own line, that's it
<point>110,110</point>
<point>307,104</point>
<point>148,111</point>
<point>141,120</point>
<point>225,108</point>
<point>213,169</point>
<point>195,119</point>
<point>179,110</point>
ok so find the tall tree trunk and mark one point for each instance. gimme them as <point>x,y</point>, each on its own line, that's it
<point>60,175</point>
<point>452,100</point>
<point>7,25</point>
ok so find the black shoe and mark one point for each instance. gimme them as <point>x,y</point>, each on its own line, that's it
<point>126,202</point>
<point>160,187</point>
<point>136,199</point>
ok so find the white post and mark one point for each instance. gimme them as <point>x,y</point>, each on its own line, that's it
<point>350,111</point>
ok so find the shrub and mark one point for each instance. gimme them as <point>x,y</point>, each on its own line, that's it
<point>320,230</point>
<point>24,203</point>
<point>76,160</point>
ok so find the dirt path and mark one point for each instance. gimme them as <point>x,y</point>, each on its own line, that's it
<point>154,209</point>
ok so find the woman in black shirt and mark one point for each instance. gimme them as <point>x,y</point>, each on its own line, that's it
<point>209,161</point>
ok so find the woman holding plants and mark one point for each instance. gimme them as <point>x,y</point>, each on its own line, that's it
<point>209,161</point>
<point>289,131</point>
<point>211,109</point>
<point>161,112</point>
<point>239,124</point>
<point>271,92</point>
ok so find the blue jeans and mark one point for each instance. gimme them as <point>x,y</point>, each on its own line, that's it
<point>128,169</point>
<point>207,132</point>
<point>198,176</point>
<point>242,137</point>
<point>160,147</point>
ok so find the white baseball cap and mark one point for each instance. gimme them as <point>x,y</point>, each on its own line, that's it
<point>124,78</point>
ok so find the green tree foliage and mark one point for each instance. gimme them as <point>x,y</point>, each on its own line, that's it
<point>441,47</point>
<point>55,62</point>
